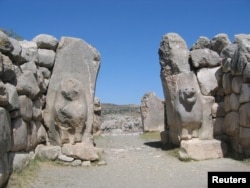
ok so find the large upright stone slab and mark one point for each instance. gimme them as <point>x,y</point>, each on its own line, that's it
<point>152,113</point>
<point>69,102</point>
<point>174,55</point>
<point>184,106</point>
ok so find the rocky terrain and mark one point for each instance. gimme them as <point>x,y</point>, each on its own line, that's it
<point>120,118</point>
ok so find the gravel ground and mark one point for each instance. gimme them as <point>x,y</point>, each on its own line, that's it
<point>134,162</point>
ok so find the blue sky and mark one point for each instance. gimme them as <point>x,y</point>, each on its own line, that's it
<point>127,33</point>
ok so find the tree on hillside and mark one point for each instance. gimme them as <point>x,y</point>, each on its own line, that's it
<point>11,33</point>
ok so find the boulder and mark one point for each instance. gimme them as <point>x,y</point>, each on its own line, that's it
<point>205,58</point>
<point>219,42</point>
<point>13,100</point>
<point>209,79</point>
<point>3,94</point>
<point>196,149</point>
<point>8,69</point>
<point>241,55</point>
<point>27,85</point>
<point>231,124</point>
<point>244,93</point>
<point>29,66</point>
<point>25,107</point>
<point>246,72</point>
<point>236,84</point>
<point>19,135</point>
<point>218,109</point>
<point>70,95</point>
<point>46,58</point>
<point>244,140</point>
<point>45,72</point>
<point>228,51</point>
<point>81,151</point>
<point>45,41</point>
<point>244,114</point>
<point>48,152</point>
<point>5,169</point>
<point>152,113</point>
<point>5,132</point>
<point>5,44</point>
<point>227,83</point>
<point>234,102</point>
<point>37,110</point>
<point>218,126</point>
<point>20,160</point>
<point>15,54</point>
<point>29,51</point>
<point>174,55</point>
<point>201,43</point>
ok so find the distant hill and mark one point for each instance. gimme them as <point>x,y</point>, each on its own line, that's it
<point>130,109</point>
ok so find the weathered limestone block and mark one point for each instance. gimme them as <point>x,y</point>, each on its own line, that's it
<point>226,64</point>
<point>245,93</point>
<point>27,85</point>
<point>244,114</point>
<point>218,109</point>
<point>45,72</point>
<point>5,169</point>
<point>218,126</point>
<point>227,83</point>
<point>219,42</point>
<point>241,57</point>
<point>29,51</point>
<point>20,160</point>
<point>19,134</point>
<point>25,108</point>
<point>80,151</point>
<point>227,105</point>
<point>152,113</point>
<point>97,116</point>
<point>202,149</point>
<point>5,132</point>
<point>13,100</point>
<point>48,152</point>
<point>236,84</point>
<point>29,66</point>
<point>69,101</point>
<point>46,58</point>
<point>42,83</point>
<point>3,94</point>
<point>205,58</point>
<point>231,124</point>
<point>246,72</point>
<point>234,102</point>
<point>206,130</point>
<point>15,54</point>
<point>201,43</point>
<point>184,106</point>
<point>244,140</point>
<point>36,135</point>
<point>229,50</point>
<point>174,55</point>
<point>37,110</point>
<point>209,79</point>
<point>8,69</point>
<point>46,41</point>
<point>5,45</point>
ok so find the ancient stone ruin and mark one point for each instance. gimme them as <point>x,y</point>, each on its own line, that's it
<point>207,95</point>
<point>47,92</point>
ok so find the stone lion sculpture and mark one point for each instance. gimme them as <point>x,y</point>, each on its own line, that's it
<point>70,111</point>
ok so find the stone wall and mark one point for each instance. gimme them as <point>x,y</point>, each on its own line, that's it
<point>207,93</point>
<point>27,70</point>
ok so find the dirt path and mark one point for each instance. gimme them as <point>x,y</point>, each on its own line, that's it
<point>133,162</point>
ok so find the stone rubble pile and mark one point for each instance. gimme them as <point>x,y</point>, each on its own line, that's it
<point>207,94</point>
<point>31,76</point>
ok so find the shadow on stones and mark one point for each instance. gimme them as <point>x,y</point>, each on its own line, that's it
<point>160,145</point>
